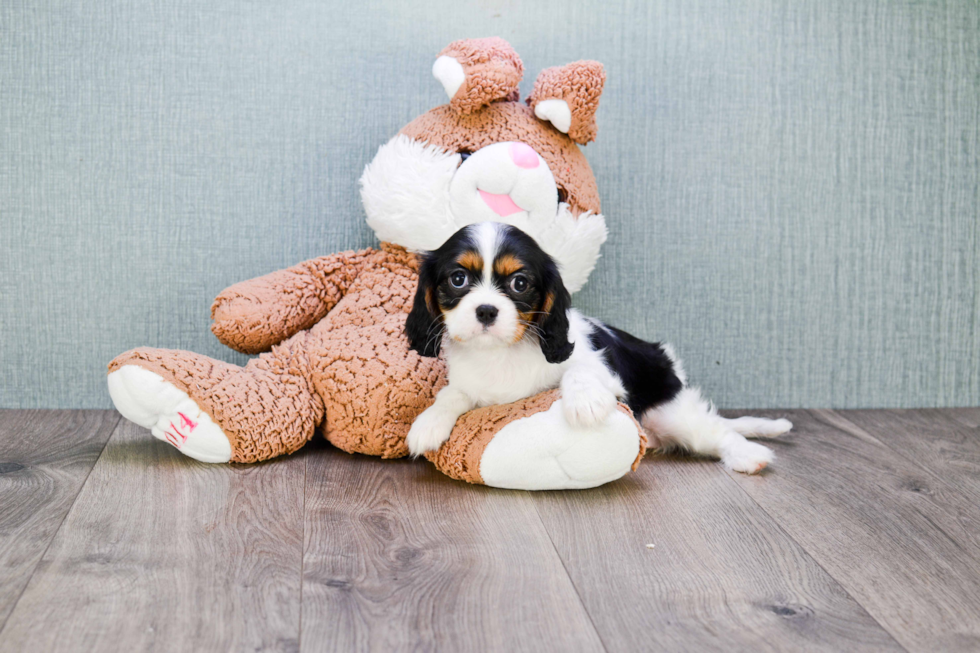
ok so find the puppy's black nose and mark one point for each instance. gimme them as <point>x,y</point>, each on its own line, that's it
<point>486,314</point>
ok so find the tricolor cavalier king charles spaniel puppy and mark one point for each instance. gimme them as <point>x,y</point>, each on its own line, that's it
<point>494,301</point>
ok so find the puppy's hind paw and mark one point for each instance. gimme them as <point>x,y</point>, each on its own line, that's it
<point>747,457</point>
<point>584,409</point>
<point>779,427</point>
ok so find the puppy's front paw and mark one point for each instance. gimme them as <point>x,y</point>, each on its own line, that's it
<point>587,406</point>
<point>429,431</point>
<point>747,457</point>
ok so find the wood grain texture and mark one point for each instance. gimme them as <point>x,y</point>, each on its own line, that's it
<point>45,456</point>
<point>881,525</point>
<point>161,552</point>
<point>947,452</point>
<point>400,557</point>
<point>721,575</point>
<point>861,536</point>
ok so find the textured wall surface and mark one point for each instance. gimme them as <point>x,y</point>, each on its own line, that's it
<point>791,186</point>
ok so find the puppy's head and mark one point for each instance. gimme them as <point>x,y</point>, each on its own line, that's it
<point>490,285</point>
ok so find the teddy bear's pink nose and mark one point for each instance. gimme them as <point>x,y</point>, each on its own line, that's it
<point>523,155</point>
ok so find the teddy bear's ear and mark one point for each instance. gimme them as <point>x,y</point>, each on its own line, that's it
<point>475,72</point>
<point>568,96</point>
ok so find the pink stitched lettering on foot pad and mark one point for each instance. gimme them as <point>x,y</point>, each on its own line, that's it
<point>186,421</point>
<point>177,438</point>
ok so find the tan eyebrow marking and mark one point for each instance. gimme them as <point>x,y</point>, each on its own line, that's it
<point>507,264</point>
<point>471,260</point>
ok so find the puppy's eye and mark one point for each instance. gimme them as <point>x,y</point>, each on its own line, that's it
<point>519,283</point>
<point>562,195</point>
<point>463,155</point>
<point>458,279</point>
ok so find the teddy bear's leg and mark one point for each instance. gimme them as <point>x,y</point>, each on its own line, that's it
<point>216,412</point>
<point>528,445</point>
<point>147,399</point>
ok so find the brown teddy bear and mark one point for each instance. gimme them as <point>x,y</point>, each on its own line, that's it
<point>330,331</point>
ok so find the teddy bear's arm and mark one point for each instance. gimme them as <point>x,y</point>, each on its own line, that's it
<point>252,316</point>
<point>528,445</point>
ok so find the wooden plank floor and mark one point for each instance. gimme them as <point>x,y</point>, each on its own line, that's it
<point>864,535</point>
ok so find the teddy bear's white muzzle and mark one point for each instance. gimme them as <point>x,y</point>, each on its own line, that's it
<point>504,182</point>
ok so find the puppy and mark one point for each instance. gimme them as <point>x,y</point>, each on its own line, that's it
<point>494,301</point>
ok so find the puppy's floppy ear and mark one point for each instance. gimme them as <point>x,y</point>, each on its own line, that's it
<point>423,326</point>
<point>554,322</point>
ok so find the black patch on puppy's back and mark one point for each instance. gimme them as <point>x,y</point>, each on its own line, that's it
<point>645,369</point>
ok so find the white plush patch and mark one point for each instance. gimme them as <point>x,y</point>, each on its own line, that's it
<point>405,191</point>
<point>542,452</point>
<point>492,169</point>
<point>574,243</point>
<point>449,73</point>
<point>412,199</point>
<point>147,399</point>
<point>556,112</point>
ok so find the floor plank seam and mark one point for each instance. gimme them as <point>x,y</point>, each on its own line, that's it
<point>302,558</point>
<point>54,535</point>
<point>571,580</point>
<point>817,562</point>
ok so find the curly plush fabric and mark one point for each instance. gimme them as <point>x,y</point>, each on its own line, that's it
<point>512,121</point>
<point>579,84</point>
<point>460,457</point>
<point>254,315</point>
<point>330,331</point>
<point>492,68</point>
<point>351,373</point>
<point>266,409</point>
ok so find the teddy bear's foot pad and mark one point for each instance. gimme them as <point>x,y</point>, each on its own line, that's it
<point>147,399</point>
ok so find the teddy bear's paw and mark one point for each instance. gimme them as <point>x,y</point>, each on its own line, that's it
<point>543,452</point>
<point>145,398</point>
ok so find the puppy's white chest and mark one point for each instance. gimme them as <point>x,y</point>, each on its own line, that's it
<point>501,375</point>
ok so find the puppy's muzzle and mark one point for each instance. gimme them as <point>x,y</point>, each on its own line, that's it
<point>486,314</point>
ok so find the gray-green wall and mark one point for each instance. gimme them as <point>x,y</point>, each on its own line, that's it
<point>791,187</point>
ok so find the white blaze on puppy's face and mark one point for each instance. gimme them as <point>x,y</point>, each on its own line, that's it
<point>463,324</point>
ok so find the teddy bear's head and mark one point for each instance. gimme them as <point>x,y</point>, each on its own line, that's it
<point>488,156</point>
